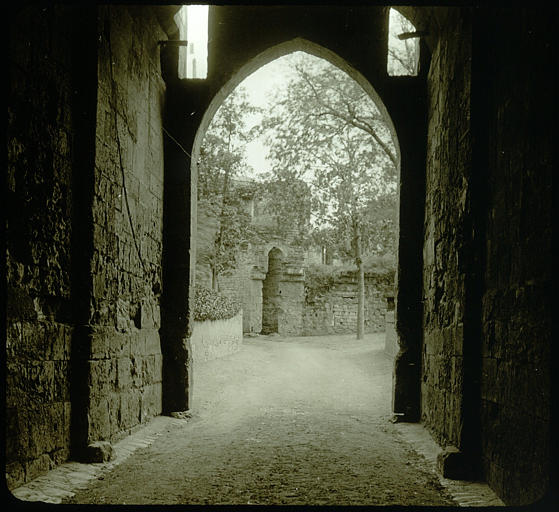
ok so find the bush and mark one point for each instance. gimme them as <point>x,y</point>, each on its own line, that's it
<point>211,305</point>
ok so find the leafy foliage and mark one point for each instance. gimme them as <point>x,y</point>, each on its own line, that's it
<point>222,162</point>
<point>288,203</point>
<point>319,279</point>
<point>324,129</point>
<point>212,305</point>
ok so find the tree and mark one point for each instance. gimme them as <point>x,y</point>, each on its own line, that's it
<point>325,129</point>
<point>403,51</point>
<point>220,195</point>
<point>288,203</point>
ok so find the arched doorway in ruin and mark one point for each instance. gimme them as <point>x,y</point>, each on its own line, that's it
<point>271,292</point>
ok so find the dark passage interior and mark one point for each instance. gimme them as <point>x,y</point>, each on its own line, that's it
<point>271,292</point>
<point>101,206</point>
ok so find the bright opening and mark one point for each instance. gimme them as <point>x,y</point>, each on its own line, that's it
<point>192,21</point>
<point>297,157</point>
<point>403,48</point>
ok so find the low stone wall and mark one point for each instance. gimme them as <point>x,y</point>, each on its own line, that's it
<point>212,339</point>
<point>335,312</point>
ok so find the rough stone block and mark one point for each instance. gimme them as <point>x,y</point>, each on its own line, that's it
<point>17,387</point>
<point>153,342</point>
<point>130,409</point>
<point>37,467</point>
<point>60,456</point>
<point>157,374</point>
<point>98,418</point>
<point>15,475</point>
<point>150,401</point>
<point>137,376</point>
<point>454,464</point>
<point>119,344</point>
<point>54,344</point>
<point>124,373</point>
<point>113,401</point>
<point>100,377</point>
<point>99,451</point>
<point>99,346</point>
<point>40,380</point>
<point>17,433</point>
<point>62,381</point>
<point>123,322</point>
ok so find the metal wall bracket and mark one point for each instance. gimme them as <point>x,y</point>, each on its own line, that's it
<point>173,42</point>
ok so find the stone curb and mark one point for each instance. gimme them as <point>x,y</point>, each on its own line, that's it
<point>465,493</point>
<point>63,481</point>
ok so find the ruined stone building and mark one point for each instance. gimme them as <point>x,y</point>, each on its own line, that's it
<point>267,278</point>
<point>102,144</point>
<point>270,278</point>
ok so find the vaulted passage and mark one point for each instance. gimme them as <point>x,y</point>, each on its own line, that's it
<point>103,141</point>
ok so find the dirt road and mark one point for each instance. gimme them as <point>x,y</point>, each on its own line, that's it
<point>283,421</point>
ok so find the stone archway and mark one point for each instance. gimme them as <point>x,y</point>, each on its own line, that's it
<point>271,310</point>
<point>409,117</point>
<point>271,54</point>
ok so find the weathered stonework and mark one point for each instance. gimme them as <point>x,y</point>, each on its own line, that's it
<point>267,278</point>
<point>39,315</point>
<point>269,281</point>
<point>391,346</point>
<point>444,250</point>
<point>335,312</point>
<point>88,330</point>
<point>516,348</point>
<point>63,271</point>
<point>212,339</point>
<point>125,361</point>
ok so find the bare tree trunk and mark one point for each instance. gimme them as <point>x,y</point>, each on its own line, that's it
<point>360,282</point>
<point>215,284</point>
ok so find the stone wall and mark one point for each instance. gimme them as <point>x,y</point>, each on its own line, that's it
<point>125,362</point>
<point>335,310</point>
<point>39,209</point>
<point>446,210</point>
<point>83,352</point>
<point>212,339</point>
<point>517,301</point>
<point>487,253</point>
<point>245,286</point>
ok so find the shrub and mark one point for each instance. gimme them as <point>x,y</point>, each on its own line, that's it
<point>211,305</point>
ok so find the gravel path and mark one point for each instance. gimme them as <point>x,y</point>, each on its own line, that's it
<point>293,421</point>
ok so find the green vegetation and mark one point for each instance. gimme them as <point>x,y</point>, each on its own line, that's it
<point>323,127</point>
<point>319,279</point>
<point>212,305</point>
<point>222,162</point>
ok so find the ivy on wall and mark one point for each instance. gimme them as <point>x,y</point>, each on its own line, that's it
<point>212,305</point>
<point>320,279</point>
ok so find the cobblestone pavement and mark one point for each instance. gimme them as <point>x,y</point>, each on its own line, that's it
<point>292,421</point>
